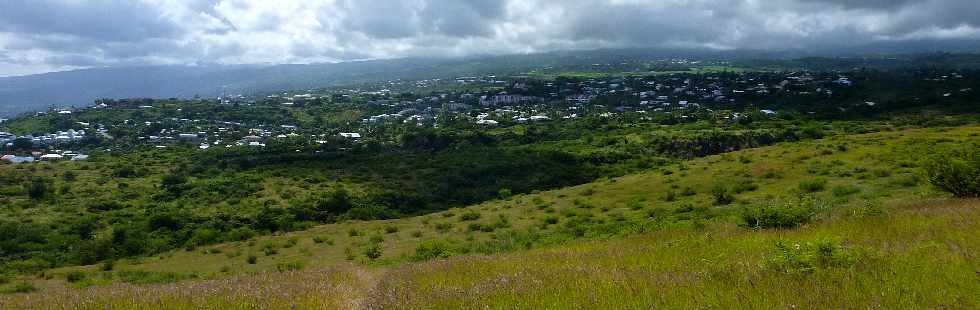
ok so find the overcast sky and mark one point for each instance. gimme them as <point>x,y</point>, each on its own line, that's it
<point>48,35</point>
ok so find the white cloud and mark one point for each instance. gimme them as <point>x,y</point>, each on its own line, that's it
<point>43,35</point>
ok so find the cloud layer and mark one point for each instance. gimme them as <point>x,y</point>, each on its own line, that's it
<point>46,35</point>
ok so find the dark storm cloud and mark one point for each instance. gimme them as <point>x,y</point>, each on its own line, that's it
<point>401,19</point>
<point>109,20</point>
<point>50,34</point>
<point>866,4</point>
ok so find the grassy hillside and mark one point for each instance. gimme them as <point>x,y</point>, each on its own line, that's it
<point>905,255</point>
<point>695,242</point>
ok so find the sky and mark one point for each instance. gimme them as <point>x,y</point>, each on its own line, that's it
<point>52,35</point>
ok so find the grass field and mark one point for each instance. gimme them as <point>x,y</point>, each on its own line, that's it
<point>880,238</point>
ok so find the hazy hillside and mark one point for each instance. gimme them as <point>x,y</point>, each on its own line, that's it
<point>81,87</point>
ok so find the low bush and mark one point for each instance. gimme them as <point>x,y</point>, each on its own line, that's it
<point>845,190</point>
<point>806,257</point>
<point>778,215</point>
<point>433,249</point>
<point>813,186</point>
<point>373,251</point>
<point>289,266</point>
<point>722,194</point>
<point>151,277</point>
<point>74,276</point>
<point>23,287</point>
<point>470,216</point>
<point>956,172</point>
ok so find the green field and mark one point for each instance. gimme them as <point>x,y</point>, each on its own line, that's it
<point>876,236</point>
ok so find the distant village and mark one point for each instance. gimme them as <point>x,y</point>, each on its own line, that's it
<point>487,101</point>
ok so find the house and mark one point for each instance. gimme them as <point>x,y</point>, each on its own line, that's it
<point>80,157</point>
<point>51,157</point>
<point>189,137</point>
<point>17,159</point>
<point>350,135</point>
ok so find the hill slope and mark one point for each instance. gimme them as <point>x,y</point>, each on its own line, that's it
<point>866,246</point>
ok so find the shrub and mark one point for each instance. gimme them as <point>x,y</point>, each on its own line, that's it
<point>775,215</point>
<point>956,172</point>
<point>108,265</point>
<point>74,276</point>
<point>353,232</point>
<point>252,259</point>
<point>688,191</point>
<point>722,194</point>
<point>38,189</point>
<point>443,227</point>
<point>240,234</point>
<point>390,229</point>
<point>812,186</point>
<point>670,196</point>
<point>270,250</point>
<point>504,193</point>
<point>801,258</point>
<point>744,186</point>
<point>289,266</point>
<point>151,277</point>
<point>23,287</point>
<point>845,190</point>
<point>373,251</point>
<point>470,216</point>
<point>433,249</point>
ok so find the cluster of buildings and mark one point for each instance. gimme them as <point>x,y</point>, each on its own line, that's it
<point>41,156</point>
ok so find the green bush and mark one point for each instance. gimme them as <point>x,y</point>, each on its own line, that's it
<point>108,265</point>
<point>151,277</point>
<point>433,249</point>
<point>23,287</point>
<point>390,229</point>
<point>470,216</point>
<point>956,172</point>
<point>776,215</point>
<point>289,266</point>
<point>74,276</point>
<point>806,257</point>
<point>252,259</point>
<point>504,193</point>
<point>845,190</point>
<point>38,188</point>
<point>813,186</point>
<point>722,195</point>
<point>373,251</point>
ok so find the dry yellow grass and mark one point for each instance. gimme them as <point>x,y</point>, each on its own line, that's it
<point>334,288</point>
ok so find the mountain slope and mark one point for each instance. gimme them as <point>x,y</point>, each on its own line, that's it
<point>866,237</point>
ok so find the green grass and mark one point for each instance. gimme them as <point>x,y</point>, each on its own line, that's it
<point>684,252</point>
<point>913,256</point>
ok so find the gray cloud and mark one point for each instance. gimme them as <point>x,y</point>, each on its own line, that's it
<point>59,34</point>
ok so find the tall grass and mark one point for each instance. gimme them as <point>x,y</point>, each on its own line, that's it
<point>921,256</point>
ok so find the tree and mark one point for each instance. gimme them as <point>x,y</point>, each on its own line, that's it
<point>23,144</point>
<point>38,189</point>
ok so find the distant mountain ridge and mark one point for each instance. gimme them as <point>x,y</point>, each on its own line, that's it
<point>81,87</point>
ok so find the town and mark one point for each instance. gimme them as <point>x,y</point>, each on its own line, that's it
<point>369,111</point>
